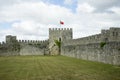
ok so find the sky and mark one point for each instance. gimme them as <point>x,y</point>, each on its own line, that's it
<point>31,19</point>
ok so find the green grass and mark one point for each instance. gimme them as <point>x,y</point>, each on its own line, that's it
<point>55,68</point>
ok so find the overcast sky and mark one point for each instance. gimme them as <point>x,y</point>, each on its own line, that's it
<point>31,19</point>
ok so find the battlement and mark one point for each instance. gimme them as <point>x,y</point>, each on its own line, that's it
<point>60,29</point>
<point>106,35</point>
<point>32,41</point>
<point>114,28</point>
<point>104,31</point>
<point>2,43</point>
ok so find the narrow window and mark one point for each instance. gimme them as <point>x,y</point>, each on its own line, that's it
<point>116,33</point>
<point>59,39</point>
<point>113,34</point>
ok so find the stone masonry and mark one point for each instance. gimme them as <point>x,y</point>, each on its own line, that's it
<point>103,47</point>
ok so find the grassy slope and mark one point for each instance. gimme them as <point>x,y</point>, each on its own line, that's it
<point>55,68</point>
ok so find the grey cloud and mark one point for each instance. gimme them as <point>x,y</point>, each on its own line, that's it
<point>102,5</point>
<point>4,3</point>
<point>83,24</point>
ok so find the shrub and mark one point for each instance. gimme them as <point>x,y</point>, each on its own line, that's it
<point>58,43</point>
<point>102,44</point>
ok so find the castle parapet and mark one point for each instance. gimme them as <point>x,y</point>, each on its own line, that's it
<point>32,41</point>
<point>3,43</point>
<point>104,31</point>
<point>59,29</point>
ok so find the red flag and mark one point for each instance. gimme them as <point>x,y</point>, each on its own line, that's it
<point>61,22</point>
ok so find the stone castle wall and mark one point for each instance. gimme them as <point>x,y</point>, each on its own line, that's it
<point>84,40</point>
<point>113,34</point>
<point>110,53</point>
<point>12,46</point>
<point>31,47</point>
<point>9,49</point>
<point>87,48</point>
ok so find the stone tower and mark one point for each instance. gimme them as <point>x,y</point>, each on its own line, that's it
<point>110,35</point>
<point>114,34</point>
<point>10,39</point>
<point>12,43</point>
<point>60,34</point>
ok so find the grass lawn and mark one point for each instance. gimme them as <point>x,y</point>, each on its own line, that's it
<point>55,68</point>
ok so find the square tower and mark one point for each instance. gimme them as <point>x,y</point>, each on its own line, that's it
<point>59,34</point>
<point>10,39</point>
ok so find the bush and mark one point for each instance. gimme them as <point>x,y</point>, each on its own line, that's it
<point>58,43</point>
<point>102,44</point>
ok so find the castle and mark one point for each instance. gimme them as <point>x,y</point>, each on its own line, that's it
<point>103,47</point>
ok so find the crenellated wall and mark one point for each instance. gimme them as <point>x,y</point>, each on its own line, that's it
<point>32,41</point>
<point>33,47</point>
<point>103,47</point>
<point>12,46</point>
<point>84,40</point>
<point>113,34</point>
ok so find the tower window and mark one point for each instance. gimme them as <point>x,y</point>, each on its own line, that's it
<point>116,33</point>
<point>59,39</point>
<point>113,33</point>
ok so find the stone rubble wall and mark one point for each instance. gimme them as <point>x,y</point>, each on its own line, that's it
<point>24,47</point>
<point>109,54</point>
<point>31,50</point>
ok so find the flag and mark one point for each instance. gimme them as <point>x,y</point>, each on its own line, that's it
<point>61,22</point>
